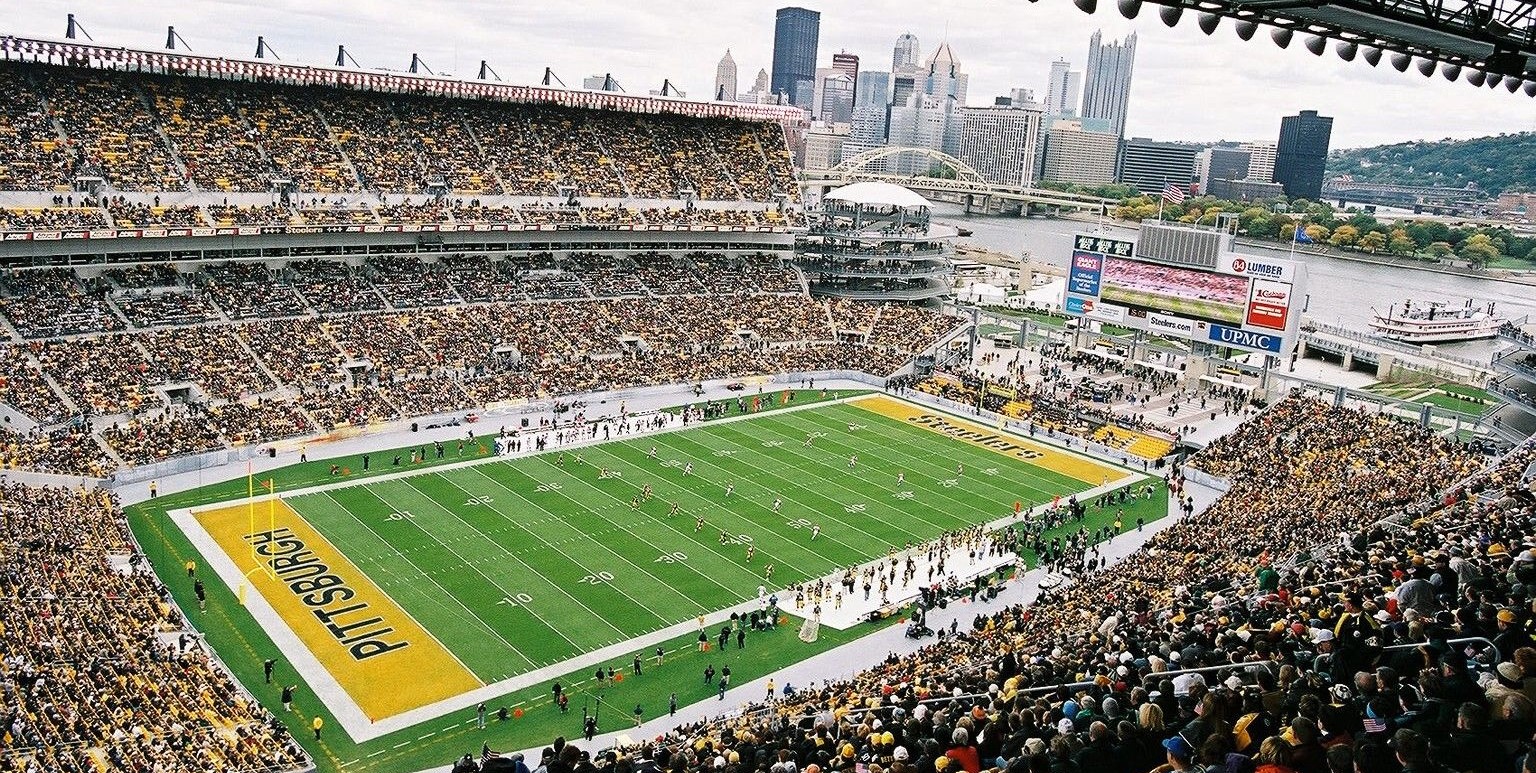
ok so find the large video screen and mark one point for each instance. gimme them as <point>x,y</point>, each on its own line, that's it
<point>1188,293</point>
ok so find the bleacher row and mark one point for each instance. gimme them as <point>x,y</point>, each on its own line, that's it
<point>54,302</point>
<point>89,214</point>
<point>114,397</point>
<point>1249,637</point>
<point>100,671</point>
<point>154,133</point>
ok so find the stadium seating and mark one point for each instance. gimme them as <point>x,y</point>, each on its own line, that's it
<point>152,133</point>
<point>1092,675</point>
<point>95,677</point>
<point>172,377</point>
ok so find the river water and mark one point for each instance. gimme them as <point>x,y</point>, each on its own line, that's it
<point>1341,292</point>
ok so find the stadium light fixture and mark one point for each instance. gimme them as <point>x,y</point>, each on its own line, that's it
<point>1530,88</point>
<point>1371,55</point>
<point>1282,36</point>
<point>1086,6</point>
<point>1477,77</point>
<point>1208,22</point>
<point>1317,44</point>
<point>1129,8</point>
<point>1494,79</point>
<point>1400,61</point>
<point>1170,14</point>
<point>1245,29</point>
<point>1427,67</point>
<point>1512,85</point>
<point>1450,71</point>
<point>1346,50</point>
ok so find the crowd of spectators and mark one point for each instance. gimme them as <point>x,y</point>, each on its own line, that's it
<point>152,133</point>
<point>1314,654</point>
<point>51,302</point>
<point>31,156</point>
<point>101,671</point>
<point>324,343</point>
<point>250,290</point>
<point>129,214</point>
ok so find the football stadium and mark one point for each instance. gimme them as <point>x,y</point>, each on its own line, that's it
<point>382,422</point>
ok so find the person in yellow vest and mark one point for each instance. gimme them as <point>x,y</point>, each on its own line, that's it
<point>191,568</point>
<point>154,489</point>
<point>317,724</point>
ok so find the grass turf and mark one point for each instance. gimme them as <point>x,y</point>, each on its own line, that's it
<point>243,644</point>
<point>541,546</point>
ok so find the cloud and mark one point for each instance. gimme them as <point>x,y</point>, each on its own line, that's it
<point>1187,86</point>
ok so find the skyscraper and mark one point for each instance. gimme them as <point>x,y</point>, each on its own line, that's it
<point>847,64</point>
<point>943,78</point>
<point>872,89</point>
<point>1150,166</point>
<point>1073,155</point>
<point>907,56</point>
<point>999,142</point>
<point>1261,160</point>
<point>1107,82</point>
<point>725,79</point>
<point>1302,152</point>
<point>1063,89</point>
<point>796,33</point>
<point>760,92</point>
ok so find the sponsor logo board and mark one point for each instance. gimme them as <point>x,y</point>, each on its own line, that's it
<point>1087,270</point>
<point>1162,323</point>
<point>1269,304</point>
<point>1245,339</point>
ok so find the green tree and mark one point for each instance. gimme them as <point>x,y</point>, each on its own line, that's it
<point>1400,243</point>
<point>1316,232</point>
<point>1440,249</point>
<point>1344,236</point>
<point>1373,242</point>
<point>1479,250</point>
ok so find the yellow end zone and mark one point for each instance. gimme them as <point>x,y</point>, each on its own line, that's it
<point>1038,454</point>
<point>380,655</point>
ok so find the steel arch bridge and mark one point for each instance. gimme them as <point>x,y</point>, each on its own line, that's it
<point>967,184</point>
<point>861,162</point>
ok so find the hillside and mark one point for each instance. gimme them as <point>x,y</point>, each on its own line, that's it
<point>1494,164</point>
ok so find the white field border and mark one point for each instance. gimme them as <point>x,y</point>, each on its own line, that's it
<point>351,716</point>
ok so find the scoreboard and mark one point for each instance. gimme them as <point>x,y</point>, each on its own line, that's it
<point>1247,302</point>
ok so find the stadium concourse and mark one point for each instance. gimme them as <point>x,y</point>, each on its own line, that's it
<point>1355,600</point>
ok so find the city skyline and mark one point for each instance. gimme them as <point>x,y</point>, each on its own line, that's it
<point>1212,98</point>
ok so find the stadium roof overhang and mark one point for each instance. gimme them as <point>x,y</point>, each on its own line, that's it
<point>1484,42</point>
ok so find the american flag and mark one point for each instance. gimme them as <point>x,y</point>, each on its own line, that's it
<point>1173,193</point>
<point>1374,725</point>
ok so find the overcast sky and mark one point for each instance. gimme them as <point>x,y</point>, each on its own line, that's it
<point>1187,86</point>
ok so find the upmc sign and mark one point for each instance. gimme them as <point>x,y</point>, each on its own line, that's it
<point>1231,336</point>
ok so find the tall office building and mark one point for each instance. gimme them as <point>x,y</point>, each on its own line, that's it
<point>924,122</point>
<point>1021,97</point>
<point>907,56</point>
<point>847,64</point>
<point>1222,163</point>
<point>943,78</point>
<point>725,79</point>
<point>836,101</point>
<point>1107,82</point>
<point>796,34</point>
<point>999,142</point>
<point>1302,152</point>
<point>760,92</point>
<point>1150,166</point>
<point>1261,160</point>
<point>1073,155</point>
<point>1063,89</point>
<point>872,89</point>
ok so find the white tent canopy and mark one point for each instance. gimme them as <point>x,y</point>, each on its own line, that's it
<point>877,194</point>
<point>982,292</point>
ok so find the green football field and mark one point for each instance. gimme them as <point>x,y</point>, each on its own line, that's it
<point>1199,308</point>
<point>522,563</point>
